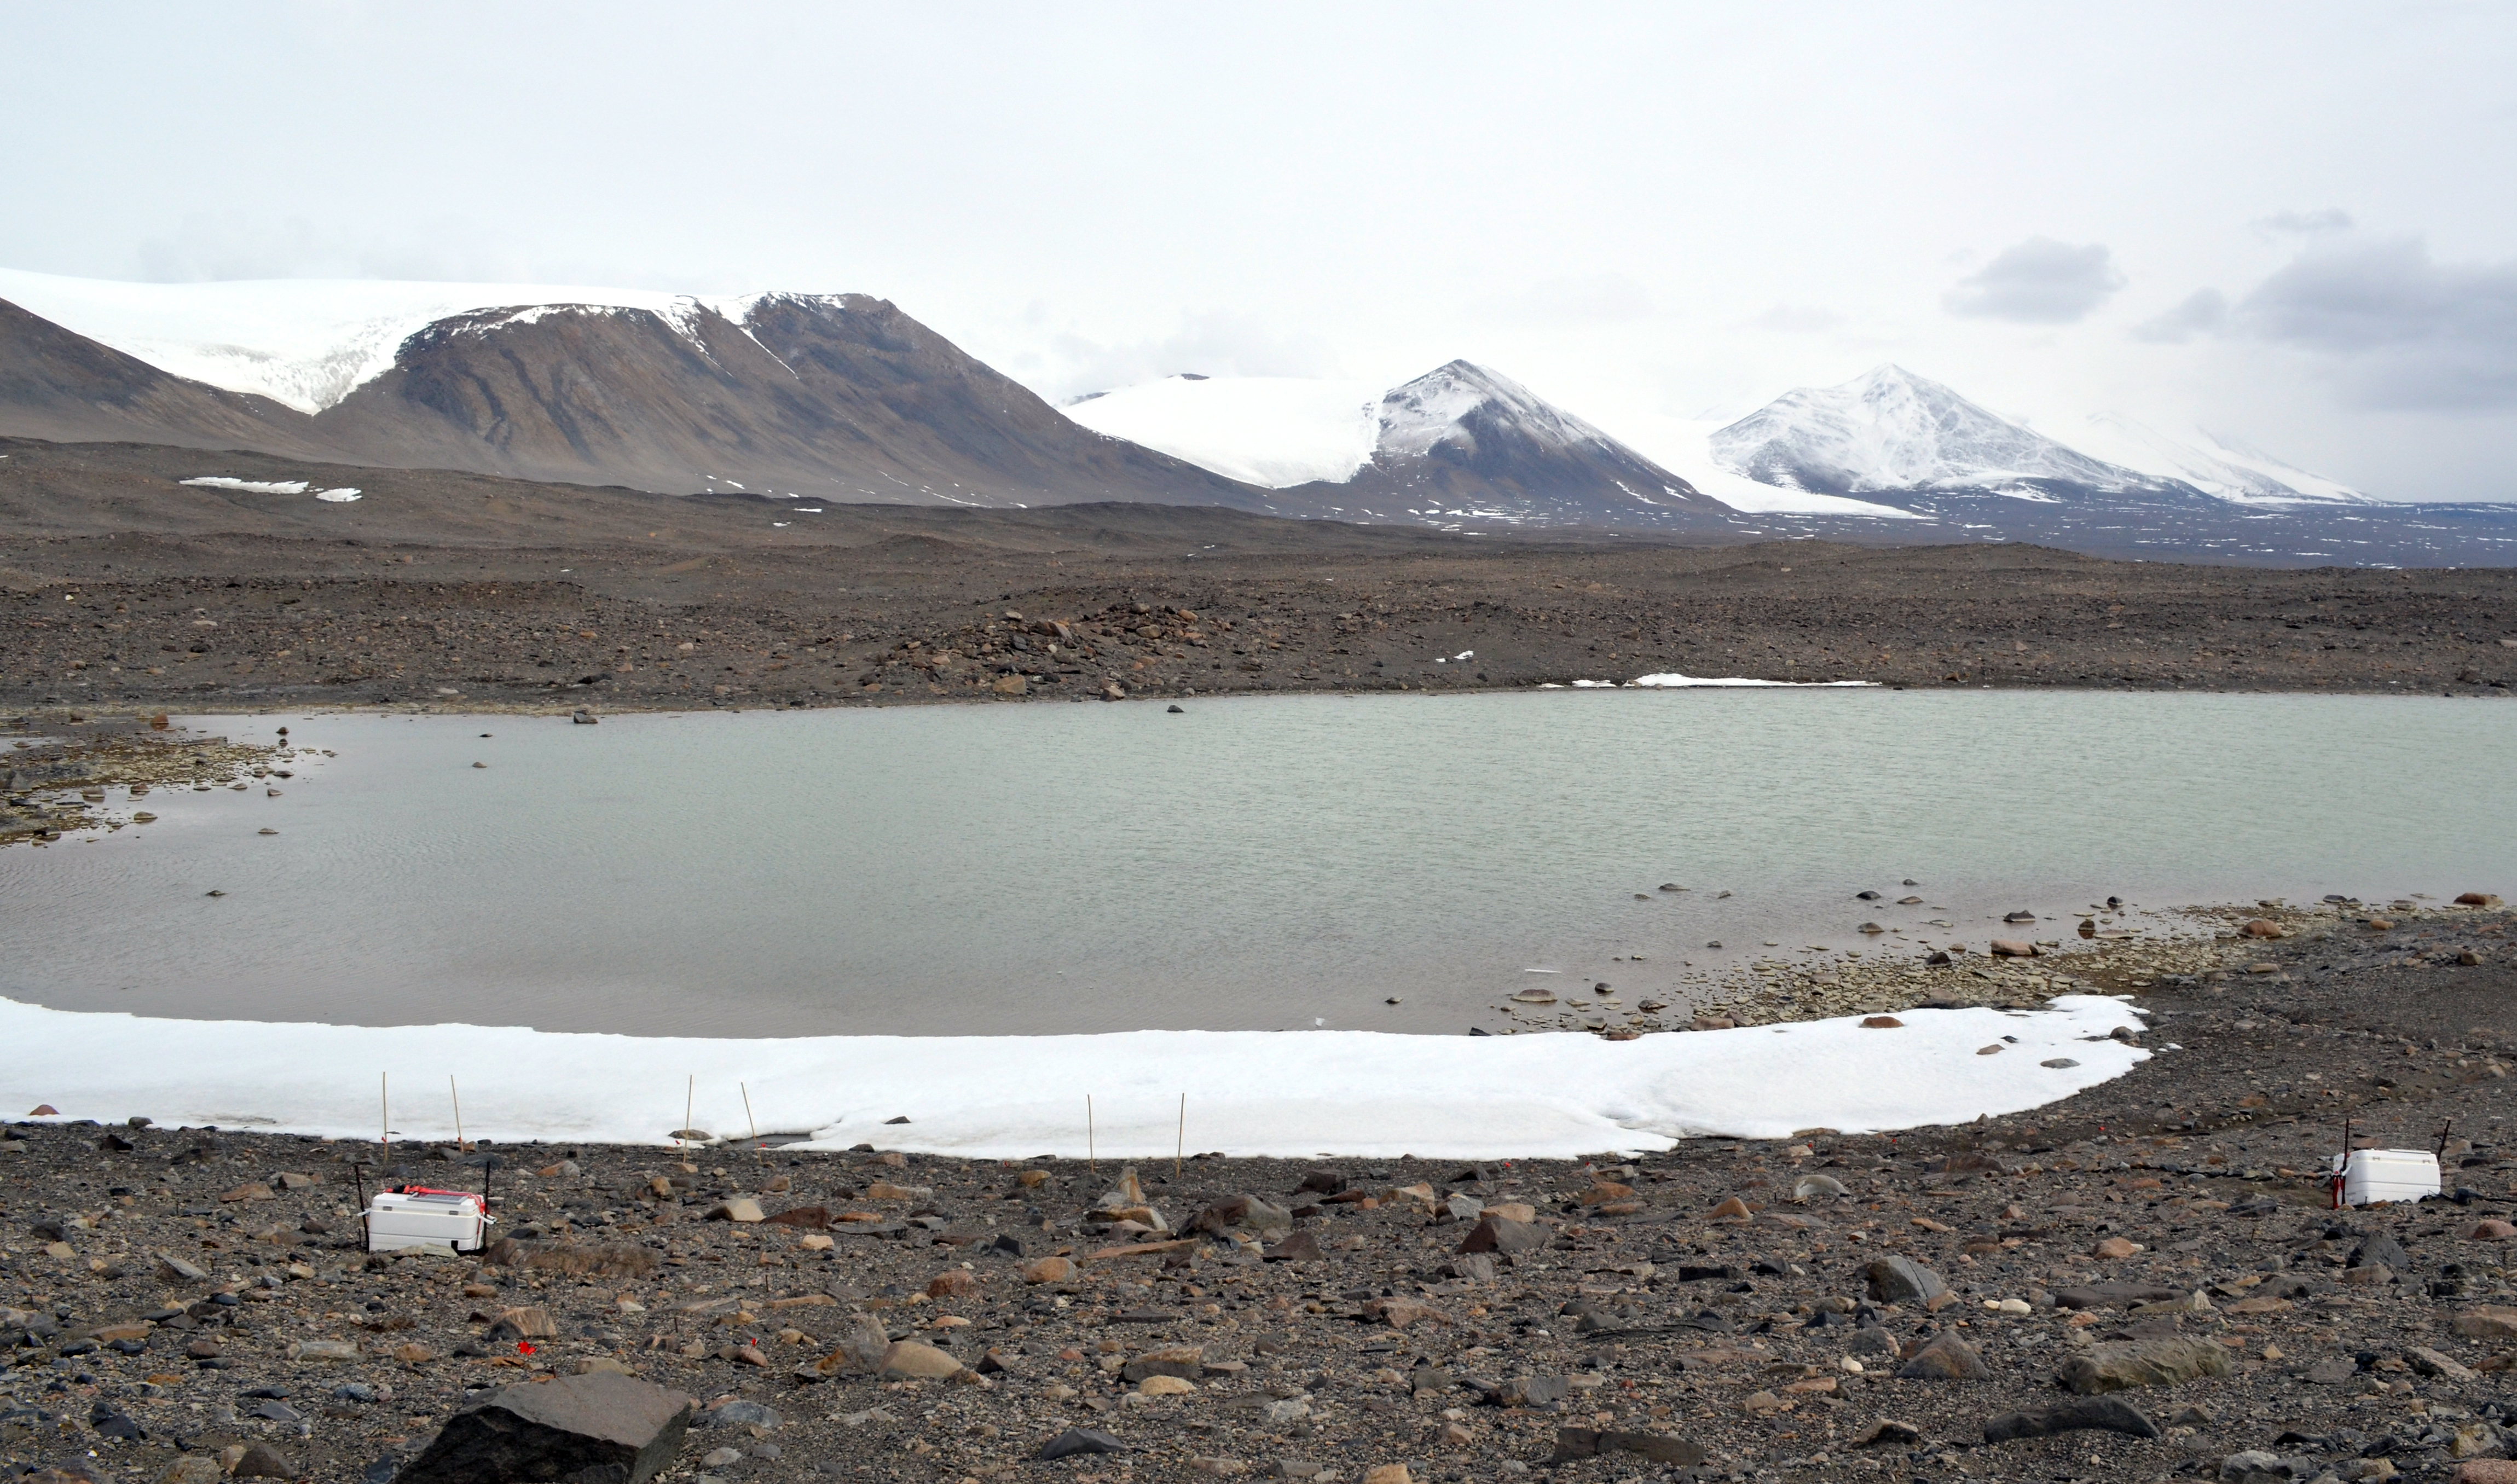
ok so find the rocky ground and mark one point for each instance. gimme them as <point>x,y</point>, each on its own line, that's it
<point>55,771</point>
<point>121,589</point>
<point>2155,1255</point>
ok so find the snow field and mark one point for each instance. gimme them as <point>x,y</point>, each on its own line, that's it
<point>1270,431</point>
<point>1290,1094</point>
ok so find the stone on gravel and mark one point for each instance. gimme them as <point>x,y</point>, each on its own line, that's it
<point>913,1360</point>
<point>1903,1280</point>
<point>1077,1442</point>
<point>861,1347</point>
<point>2490,1321</point>
<point>600,1426</point>
<point>1809,1187</point>
<point>1249,1214</point>
<point>2101,1413</point>
<point>2113,1295</point>
<point>1946,1357</point>
<point>1301,1247</point>
<point>1533,1390</point>
<point>1500,1234</point>
<point>2141,1363</point>
<point>739,1209</point>
<point>1049,1270</point>
<point>1573,1443</point>
<point>261,1461</point>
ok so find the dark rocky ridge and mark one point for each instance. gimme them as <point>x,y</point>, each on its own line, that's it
<point>840,398</point>
<point>519,594</point>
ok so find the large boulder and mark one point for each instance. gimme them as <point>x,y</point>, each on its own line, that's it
<point>588,1429</point>
<point>2141,1363</point>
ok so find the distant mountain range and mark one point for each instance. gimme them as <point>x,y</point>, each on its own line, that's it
<point>844,397</point>
<point>1460,442</point>
<point>836,396</point>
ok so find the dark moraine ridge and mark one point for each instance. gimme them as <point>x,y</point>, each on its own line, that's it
<point>126,588</point>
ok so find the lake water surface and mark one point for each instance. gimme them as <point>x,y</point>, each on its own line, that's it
<point>1274,863</point>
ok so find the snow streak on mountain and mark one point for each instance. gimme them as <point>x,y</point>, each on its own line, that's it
<point>2215,465</point>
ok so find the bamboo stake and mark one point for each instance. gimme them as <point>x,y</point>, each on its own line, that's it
<point>1181,1146</point>
<point>690,1091</point>
<point>747,1115</point>
<point>458,1114</point>
<point>384,1116</point>
<point>1091,1160</point>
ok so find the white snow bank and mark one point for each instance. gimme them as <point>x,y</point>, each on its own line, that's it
<point>306,342</point>
<point>271,486</point>
<point>1270,431</point>
<point>1677,682</point>
<point>1297,1094</point>
<point>250,487</point>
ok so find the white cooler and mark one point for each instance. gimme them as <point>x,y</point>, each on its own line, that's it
<point>2373,1176</point>
<point>448,1218</point>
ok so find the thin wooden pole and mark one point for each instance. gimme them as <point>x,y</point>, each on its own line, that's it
<point>384,1117</point>
<point>1181,1146</point>
<point>1091,1160</point>
<point>690,1092</point>
<point>458,1114</point>
<point>747,1115</point>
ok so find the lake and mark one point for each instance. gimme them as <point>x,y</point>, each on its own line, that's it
<point>1259,864</point>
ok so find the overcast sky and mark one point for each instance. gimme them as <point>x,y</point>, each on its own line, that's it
<point>2292,224</point>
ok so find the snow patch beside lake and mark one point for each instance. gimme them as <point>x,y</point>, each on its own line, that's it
<point>1289,1094</point>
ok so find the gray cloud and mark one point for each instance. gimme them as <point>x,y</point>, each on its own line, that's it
<point>2301,224</point>
<point>2401,329</point>
<point>2038,281</point>
<point>2203,312</point>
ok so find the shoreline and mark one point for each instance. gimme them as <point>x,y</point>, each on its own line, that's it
<point>1710,1312</point>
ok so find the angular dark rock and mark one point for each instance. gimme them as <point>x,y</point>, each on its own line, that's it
<point>2104,1414</point>
<point>1501,1234</point>
<point>1075,1442</point>
<point>601,1428</point>
<point>1903,1280</point>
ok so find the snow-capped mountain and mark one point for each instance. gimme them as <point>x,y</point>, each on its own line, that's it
<point>829,396</point>
<point>2214,464</point>
<point>1460,444</point>
<point>1890,430</point>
